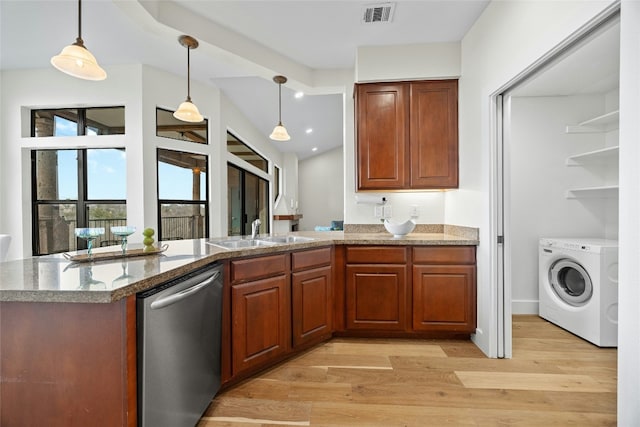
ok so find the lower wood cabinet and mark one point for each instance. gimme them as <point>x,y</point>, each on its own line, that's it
<point>260,321</point>
<point>444,289</point>
<point>279,303</point>
<point>311,305</point>
<point>376,288</point>
<point>376,297</point>
<point>410,290</point>
<point>68,364</point>
<point>444,298</point>
<point>311,296</point>
<point>260,313</point>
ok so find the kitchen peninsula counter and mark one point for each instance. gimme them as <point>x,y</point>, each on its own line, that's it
<point>53,278</point>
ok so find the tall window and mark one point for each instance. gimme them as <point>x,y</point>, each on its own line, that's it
<point>76,188</point>
<point>182,195</point>
<point>248,200</point>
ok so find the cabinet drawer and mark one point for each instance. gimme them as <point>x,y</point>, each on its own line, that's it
<point>376,255</point>
<point>444,255</point>
<point>311,258</point>
<point>254,268</point>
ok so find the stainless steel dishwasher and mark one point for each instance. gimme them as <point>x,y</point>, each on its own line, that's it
<point>179,337</point>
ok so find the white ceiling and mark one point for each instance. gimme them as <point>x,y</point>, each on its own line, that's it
<point>311,34</point>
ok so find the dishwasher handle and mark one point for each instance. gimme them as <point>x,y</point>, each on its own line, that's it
<point>179,296</point>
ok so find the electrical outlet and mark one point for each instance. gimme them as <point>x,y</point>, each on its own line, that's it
<point>386,211</point>
<point>377,211</point>
<point>414,211</point>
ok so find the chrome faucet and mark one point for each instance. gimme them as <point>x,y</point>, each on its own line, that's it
<point>255,225</point>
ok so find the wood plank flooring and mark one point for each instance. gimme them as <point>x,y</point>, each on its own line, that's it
<point>553,379</point>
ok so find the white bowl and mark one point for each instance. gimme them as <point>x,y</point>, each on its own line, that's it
<point>399,229</point>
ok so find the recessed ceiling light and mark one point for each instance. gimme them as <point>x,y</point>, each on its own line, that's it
<point>309,130</point>
<point>299,95</point>
<point>314,149</point>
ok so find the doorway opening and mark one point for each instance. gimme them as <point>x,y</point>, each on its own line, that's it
<point>556,160</point>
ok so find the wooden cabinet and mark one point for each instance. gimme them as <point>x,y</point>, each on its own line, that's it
<point>407,135</point>
<point>444,289</point>
<point>381,118</point>
<point>376,288</point>
<point>433,290</point>
<point>68,364</point>
<point>311,296</point>
<point>260,319</point>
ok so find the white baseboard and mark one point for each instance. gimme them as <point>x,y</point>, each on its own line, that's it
<point>524,307</point>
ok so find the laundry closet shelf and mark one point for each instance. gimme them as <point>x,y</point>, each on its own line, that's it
<point>603,123</point>
<point>604,155</point>
<point>604,192</point>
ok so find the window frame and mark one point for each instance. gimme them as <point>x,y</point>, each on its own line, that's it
<point>161,202</point>
<point>204,123</point>
<point>82,202</point>
<point>82,122</point>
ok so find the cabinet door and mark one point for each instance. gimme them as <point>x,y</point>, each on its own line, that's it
<point>434,134</point>
<point>376,297</point>
<point>444,298</point>
<point>381,135</point>
<point>260,322</point>
<point>311,305</point>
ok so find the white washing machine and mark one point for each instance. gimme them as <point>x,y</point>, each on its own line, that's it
<point>579,287</point>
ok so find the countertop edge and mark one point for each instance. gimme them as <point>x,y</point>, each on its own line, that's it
<point>110,296</point>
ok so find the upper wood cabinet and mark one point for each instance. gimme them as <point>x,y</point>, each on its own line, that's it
<point>407,135</point>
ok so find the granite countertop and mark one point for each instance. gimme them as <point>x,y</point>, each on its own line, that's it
<point>53,278</point>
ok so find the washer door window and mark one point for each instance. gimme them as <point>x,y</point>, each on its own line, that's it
<point>571,282</point>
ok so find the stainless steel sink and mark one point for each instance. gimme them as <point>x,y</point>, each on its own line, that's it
<point>286,239</point>
<point>240,243</point>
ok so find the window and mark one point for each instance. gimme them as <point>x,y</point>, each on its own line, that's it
<point>183,211</point>
<point>246,153</point>
<point>277,183</point>
<point>248,199</point>
<point>168,126</point>
<point>77,121</point>
<point>76,188</point>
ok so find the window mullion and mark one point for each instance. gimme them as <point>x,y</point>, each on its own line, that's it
<point>81,211</point>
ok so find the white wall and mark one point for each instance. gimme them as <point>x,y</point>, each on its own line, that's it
<point>24,90</point>
<point>417,61</point>
<point>321,184</point>
<point>539,179</point>
<point>508,38</point>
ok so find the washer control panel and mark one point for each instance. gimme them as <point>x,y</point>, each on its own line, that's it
<point>582,245</point>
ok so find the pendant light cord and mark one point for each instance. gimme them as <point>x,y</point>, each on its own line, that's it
<point>188,75</point>
<point>280,104</point>
<point>79,40</point>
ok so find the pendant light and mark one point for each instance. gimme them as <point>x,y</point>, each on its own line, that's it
<point>187,111</point>
<point>280,132</point>
<point>76,60</point>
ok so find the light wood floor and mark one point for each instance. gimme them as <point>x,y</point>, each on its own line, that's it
<point>553,379</point>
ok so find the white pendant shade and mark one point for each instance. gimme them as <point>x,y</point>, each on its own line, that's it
<point>280,133</point>
<point>188,112</point>
<point>78,62</point>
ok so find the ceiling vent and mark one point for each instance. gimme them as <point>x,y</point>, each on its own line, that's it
<point>378,13</point>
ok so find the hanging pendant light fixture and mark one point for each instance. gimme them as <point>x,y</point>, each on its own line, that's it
<point>76,60</point>
<point>280,132</point>
<point>187,111</point>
